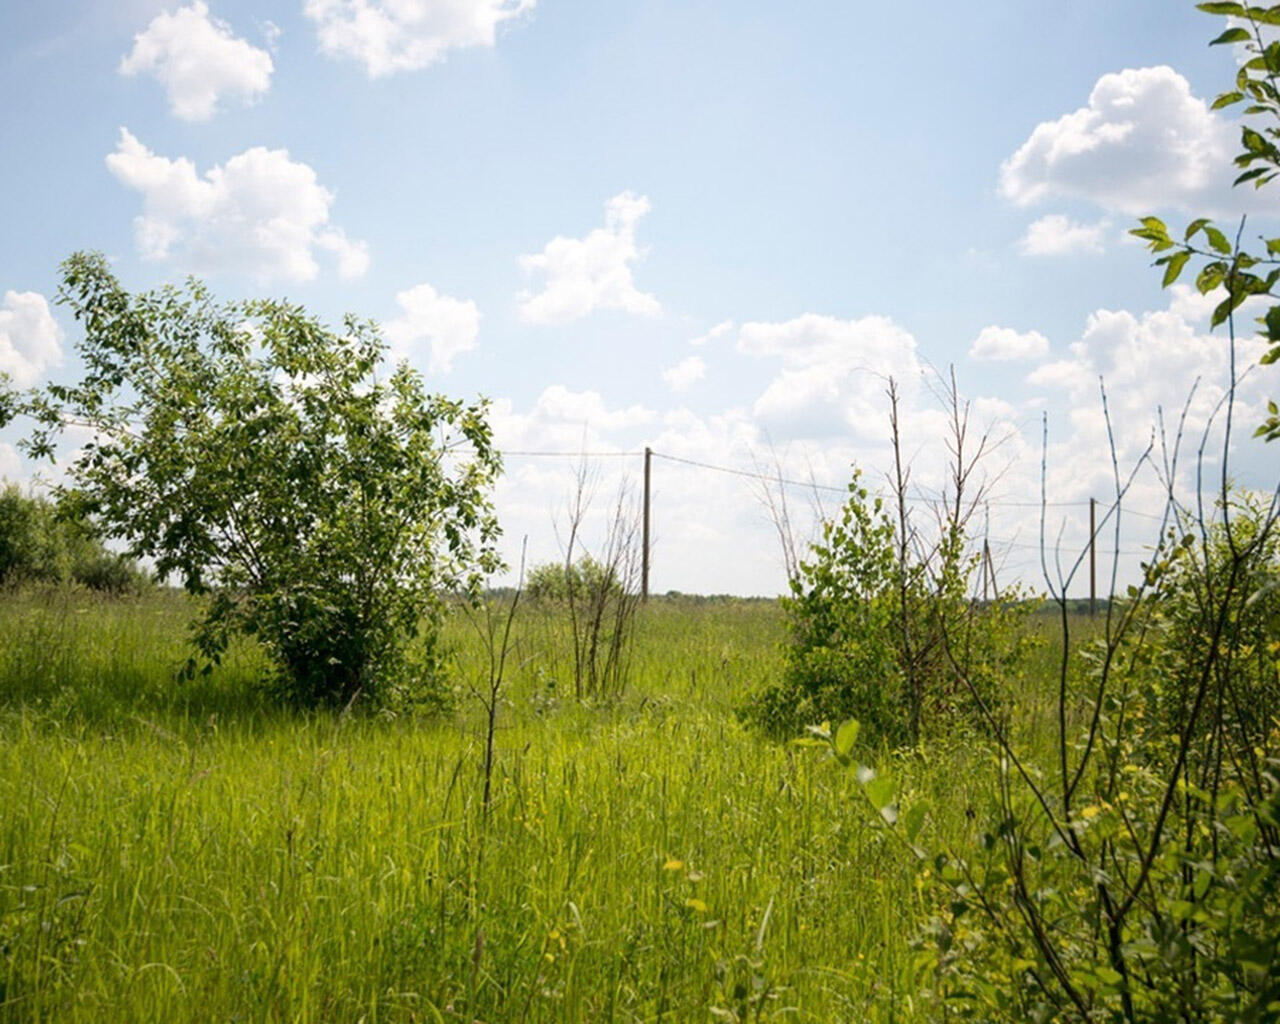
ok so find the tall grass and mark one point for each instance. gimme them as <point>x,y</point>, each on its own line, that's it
<point>176,851</point>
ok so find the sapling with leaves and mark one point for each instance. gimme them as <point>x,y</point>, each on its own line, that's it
<point>875,594</point>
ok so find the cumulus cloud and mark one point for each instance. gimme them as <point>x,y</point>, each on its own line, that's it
<point>198,61</point>
<point>30,338</point>
<point>402,35</point>
<point>718,331</point>
<point>685,373</point>
<point>704,520</point>
<point>834,373</point>
<point>565,420</point>
<point>1142,142</point>
<point>447,324</point>
<point>1004,344</point>
<point>1057,235</point>
<point>261,213</point>
<point>581,275</point>
<point>1148,361</point>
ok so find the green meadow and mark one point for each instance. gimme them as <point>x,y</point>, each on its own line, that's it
<point>189,851</point>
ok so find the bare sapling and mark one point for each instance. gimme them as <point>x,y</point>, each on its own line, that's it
<point>493,626</point>
<point>601,593</point>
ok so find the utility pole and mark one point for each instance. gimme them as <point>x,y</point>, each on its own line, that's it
<point>644,555</point>
<point>1093,557</point>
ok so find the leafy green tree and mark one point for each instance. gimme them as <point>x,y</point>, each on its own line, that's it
<point>38,546</point>
<point>264,460</point>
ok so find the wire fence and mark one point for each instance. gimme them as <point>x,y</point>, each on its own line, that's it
<point>1018,554</point>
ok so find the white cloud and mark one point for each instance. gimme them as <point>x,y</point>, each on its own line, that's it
<point>1003,344</point>
<point>1057,235</point>
<point>401,35</point>
<point>564,420</point>
<point>30,338</point>
<point>718,331</point>
<point>704,521</point>
<point>586,274</point>
<point>198,61</point>
<point>449,325</point>
<point>834,373</point>
<point>1148,361</point>
<point>1143,142</point>
<point>260,212</point>
<point>685,373</point>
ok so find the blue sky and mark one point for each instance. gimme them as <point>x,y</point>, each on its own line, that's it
<point>833,191</point>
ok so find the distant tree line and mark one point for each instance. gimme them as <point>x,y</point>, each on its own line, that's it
<point>39,546</point>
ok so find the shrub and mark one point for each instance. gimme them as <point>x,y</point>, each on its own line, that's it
<point>554,581</point>
<point>866,619</point>
<point>1140,880</point>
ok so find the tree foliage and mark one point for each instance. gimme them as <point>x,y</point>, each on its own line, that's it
<point>39,546</point>
<point>266,461</point>
<point>553,581</point>
<point>1225,264</point>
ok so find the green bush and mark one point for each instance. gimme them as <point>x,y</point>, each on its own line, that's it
<point>1141,882</point>
<point>1194,577</point>
<point>875,632</point>
<point>37,546</point>
<point>1130,870</point>
<point>552,581</point>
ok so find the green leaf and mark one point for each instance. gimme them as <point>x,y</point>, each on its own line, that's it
<point>1193,227</point>
<point>1232,35</point>
<point>1174,267</point>
<point>846,737</point>
<point>1226,307</point>
<point>880,791</point>
<point>914,817</point>
<point>1217,239</point>
<point>1250,175</point>
<point>1222,8</point>
<point>1272,322</point>
<point>1210,277</point>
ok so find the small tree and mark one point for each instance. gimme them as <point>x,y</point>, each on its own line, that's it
<point>262,459</point>
<point>874,597</point>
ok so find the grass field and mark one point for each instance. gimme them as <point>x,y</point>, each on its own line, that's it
<point>174,852</point>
